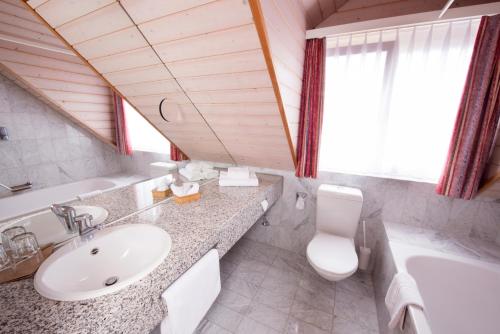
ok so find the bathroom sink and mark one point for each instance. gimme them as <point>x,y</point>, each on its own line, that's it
<point>112,259</point>
<point>47,228</point>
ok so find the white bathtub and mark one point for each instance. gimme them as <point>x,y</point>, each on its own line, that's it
<point>461,295</point>
<point>34,200</point>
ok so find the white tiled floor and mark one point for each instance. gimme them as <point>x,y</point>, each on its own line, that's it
<point>270,290</point>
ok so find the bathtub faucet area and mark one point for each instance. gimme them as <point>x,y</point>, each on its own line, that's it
<point>19,187</point>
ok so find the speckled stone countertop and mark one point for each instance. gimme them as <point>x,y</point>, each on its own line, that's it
<point>219,219</point>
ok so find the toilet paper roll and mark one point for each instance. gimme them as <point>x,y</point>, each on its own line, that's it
<point>264,204</point>
<point>300,204</point>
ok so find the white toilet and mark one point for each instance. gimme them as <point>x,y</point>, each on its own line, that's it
<point>332,252</point>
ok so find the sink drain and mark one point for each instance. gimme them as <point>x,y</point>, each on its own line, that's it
<point>110,281</point>
<point>94,251</point>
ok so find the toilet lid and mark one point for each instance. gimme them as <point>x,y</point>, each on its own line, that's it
<point>332,253</point>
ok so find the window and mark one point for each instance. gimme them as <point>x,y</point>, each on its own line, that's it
<point>143,136</point>
<point>391,98</point>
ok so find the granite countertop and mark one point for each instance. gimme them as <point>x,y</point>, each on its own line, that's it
<point>219,219</point>
<point>445,242</point>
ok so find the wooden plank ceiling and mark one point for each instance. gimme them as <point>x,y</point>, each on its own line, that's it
<point>319,10</point>
<point>325,13</point>
<point>204,56</point>
<point>286,28</point>
<point>36,59</point>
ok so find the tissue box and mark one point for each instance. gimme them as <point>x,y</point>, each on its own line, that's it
<point>161,194</point>
<point>187,199</point>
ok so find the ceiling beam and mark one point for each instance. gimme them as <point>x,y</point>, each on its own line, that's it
<point>411,19</point>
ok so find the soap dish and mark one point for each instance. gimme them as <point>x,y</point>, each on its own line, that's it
<point>161,194</point>
<point>187,199</point>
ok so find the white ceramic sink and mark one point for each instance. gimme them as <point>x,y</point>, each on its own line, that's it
<point>49,230</point>
<point>114,258</point>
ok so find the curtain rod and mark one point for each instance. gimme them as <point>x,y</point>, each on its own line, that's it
<point>405,26</point>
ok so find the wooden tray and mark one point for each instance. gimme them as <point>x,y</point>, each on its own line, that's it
<point>161,194</point>
<point>187,199</point>
<point>25,268</point>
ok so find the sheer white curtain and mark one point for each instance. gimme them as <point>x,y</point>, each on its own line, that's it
<point>391,99</point>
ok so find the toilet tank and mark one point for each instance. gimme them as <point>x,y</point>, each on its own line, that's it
<point>338,210</point>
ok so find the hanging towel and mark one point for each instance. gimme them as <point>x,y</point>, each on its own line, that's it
<point>189,298</point>
<point>402,292</point>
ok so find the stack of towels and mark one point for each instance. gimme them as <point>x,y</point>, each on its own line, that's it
<point>195,171</point>
<point>238,177</point>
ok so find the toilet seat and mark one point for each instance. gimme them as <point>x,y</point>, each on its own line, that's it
<point>333,257</point>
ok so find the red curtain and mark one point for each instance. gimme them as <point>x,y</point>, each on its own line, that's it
<point>478,116</point>
<point>122,136</point>
<point>311,108</point>
<point>176,154</point>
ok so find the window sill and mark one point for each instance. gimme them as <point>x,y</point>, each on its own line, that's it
<point>380,176</point>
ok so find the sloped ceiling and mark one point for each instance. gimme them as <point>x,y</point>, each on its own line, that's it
<point>324,13</point>
<point>319,10</point>
<point>208,58</point>
<point>37,60</point>
<point>286,30</point>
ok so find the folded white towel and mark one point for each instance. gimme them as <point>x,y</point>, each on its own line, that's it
<point>186,189</point>
<point>209,173</point>
<point>402,292</point>
<point>194,166</point>
<point>238,173</point>
<point>191,175</point>
<point>199,165</point>
<point>226,181</point>
<point>205,165</point>
<point>82,197</point>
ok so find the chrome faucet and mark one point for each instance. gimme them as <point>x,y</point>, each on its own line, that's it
<point>73,223</point>
<point>85,226</point>
<point>66,215</point>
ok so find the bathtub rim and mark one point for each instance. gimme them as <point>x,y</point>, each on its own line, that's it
<point>117,179</point>
<point>401,252</point>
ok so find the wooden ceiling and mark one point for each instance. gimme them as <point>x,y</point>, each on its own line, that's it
<point>319,10</point>
<point>286,28</point>
<point>37,60</point>
<point>230,96</point>
<point>325,13</point>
